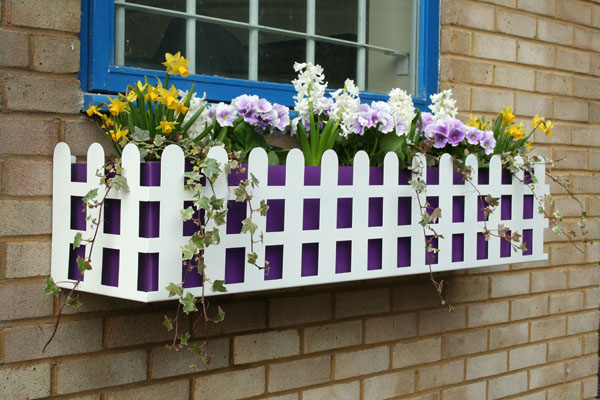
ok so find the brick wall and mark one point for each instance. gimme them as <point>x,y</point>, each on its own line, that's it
<point>526,331</point>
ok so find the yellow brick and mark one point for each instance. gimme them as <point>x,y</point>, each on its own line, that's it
<point>294,374</point>
<point>441,375</point>
<point>463,289</point>
<point>474,391</point>
<point>417,352</point>
<point>546,376</point>
<point>488,313</point>
<point>350,391</point>
<point>265,346</point>
<point>587,88</point>
<point>510,285</point>
<point>456,41</point>
<point>545,7</point>
<point>570,391</point>
<point>177,390</point>
<point>362,302</point>
<point>566,302</point>
<point>441,320</point>
<point>509,335</point>
<point>455,70</point>
<point>514,77</point>
<point>553,32</point>
<point>516,24</point>
<point>590,387</point>
<point>530,105</point>
<point>574,11</point>
<point>548,328</point>
<point>389,385</point>
<point>306,309</point>
<point>580,323</point>
<point>485,100</point>
<point>361,362</point>
<point>551,82</point>
<point>30,382</point>
<point>231,385</point>
<point>396,327</point>
<point>494,47</point>
<point>572,61</point>
<point>523,357</point>
<point>587,39</point>
<point>468,14</point>
<point>569,159</point>
<point>487,365</point>
<point>529,307</point>
<point>563,349</point>
<point>508,385</point>
<point>167,362</point>
<point>535,54</point>
<point>332,336</point>
<point>544,281</point>
<point>465,343</point>
<point>583,367</point>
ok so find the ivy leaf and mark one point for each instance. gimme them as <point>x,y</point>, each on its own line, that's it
<point>197,349</point>
<point>159,140</point>
<point>264,207</point>
<point>183,340</point>
<point>119,182</point>
<point>212,168</point>
<point>187,214</point>
<point>90,195</point>
<point>207,358</point>
<point>73,302</point>
<point>51,287</point>
<point>83,265</point>
<point>253,180</point>
<point>174,290</point>
<point>252,257</point>
<point>249,226</point>
<point>77,240</point>
<point>189,250</point>
<point>203,203</point>
<point>502,230</point>
<point>219,286</point>
<point>140,135</point>
<point>168,323</point>
<point>189,303</point>
<point>436,214</point>
<point>492,201</point>
<point>220,217</point>
<point>217,203</point>
<point>240,193</point>
<point>216,238</point>
<point>220,315</point>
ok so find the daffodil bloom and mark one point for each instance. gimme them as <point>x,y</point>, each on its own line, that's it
<point>182,109</point>
<point>477,123</point>
<point>516,131</point>
<point>166,126</point>
<point>117,106</point>
<point>131,96</point>
<point>93,110</point>
<point>118,133</point>
<point>176,64</point>
<point>538,122</point>
<point>528,145</point>
<point>141,86</point>
<point>169,97</point>
<point>548,125</point>
<point>507,115</point>
<point>107,122</point>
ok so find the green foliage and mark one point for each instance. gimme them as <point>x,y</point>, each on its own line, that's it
<point>219,286</point>
<point>51,287</point>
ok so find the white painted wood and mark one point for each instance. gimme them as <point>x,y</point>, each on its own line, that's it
<point>171,195</point>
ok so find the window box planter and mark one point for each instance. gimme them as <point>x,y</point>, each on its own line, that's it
<point>325,224</point>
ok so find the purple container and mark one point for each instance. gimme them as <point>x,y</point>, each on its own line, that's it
<point>505,247</point>
<point>482,247</point>
<point>403,252</point>
<point>189,274</point>
<point>458,247</point>
<point>112,216</point>
<point>78,214</point>
<point>457,179</point>
<point>432,176</point>
<point>528,206</point>
<point>274,255</point>
<point>110,267</point>
<point>431,257</point>
<point>376,211</point>
<point>190,227</point>
<point>375,175</point>
<point>434,202</point>
<point>275,215</point>
<point>78,172</point>
<point>343,256</point>
<point>149,219</point>
<point>147,272</point>
<point>484,176</point>
<point>235,261</point>
<point>237,175</point>
<point>528,240</point>
<point>311,214</point>
<point>236,213</point>
<point>505,207</point>
<point>506,177</point>
<point>73,272</point>
<point>481,205</point>
<point>312,176</point>
<point>344,213</point>
<point>345,176</point>
<point>374,254</point>
<point>310,259</point>
<point>527,178</point>
<point>404,210</point>
<point>458,209</point>
<point>150,173</point>
<point>404,176</point>
<point>276,175</point>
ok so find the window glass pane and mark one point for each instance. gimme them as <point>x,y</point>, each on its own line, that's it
<point>276,57</point>
<point>388,25</point>
<point>164,4</point>
<point>235,10</point>
<point>221,50</point>
<point>339,63</point>
<point>283,14</point>
<point>337,20</point>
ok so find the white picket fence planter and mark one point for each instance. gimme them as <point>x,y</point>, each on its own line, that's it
<point>372,233</point>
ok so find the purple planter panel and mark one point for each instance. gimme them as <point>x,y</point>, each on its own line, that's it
<point>237,175</point>
<point>274,255</point>
<point>149,219</point>
<point>73,273</point>
<point>458,209</point>
<point>528,240</point>
<point>344,213</point>
<point>482,247</point>
<point>311,214</point>
<point>433,202</point>
<point>150,173</point>
<point>276,175</point>
<point>79,172</point>
<point>190,227</point>
<point>235,261</point>
<point>404,176</point>
<point>345,176</point>
<point>432,176</point>
<point>506,177</point>
<point>481,205</point>
<point>78,214</point>
<point>343,256</point>
<point>457,178</point>
<point>458,247</point>
<point>506,207</point>
<point>110,267</point>
<point>376,176</point>
<point>310,259</point>
<point>375,211</point>
<point>404,210</point>
<point>403,252</point>
<point>431,257</point>
<point>112,216</point>
<point>505,247</point>
<point>275,215</point>
<point>374,254</point>
<point>147,272</point>
<point>312,176</point>
<point>528,206</point>
<point>190,275</point>
<point>484,176</point>
<point>236,213</point>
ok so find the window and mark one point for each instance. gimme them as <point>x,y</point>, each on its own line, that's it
<point>249,46</point>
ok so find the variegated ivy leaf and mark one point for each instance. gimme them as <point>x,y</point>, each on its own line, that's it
<point>187,214</point>
<point>119,182</point>
<point>492,201</point>
<point>249,226</point>
<point>252,258</point>
<point>189,303</point>
<point>168,323</point>
<point>77,240</point>
<point>219,286</point>
<point>174,290</point>
<point>83,265</point>
<point>264,207</point>
<point>220,315</point>
<point>240,193</point>
<point>159,140</point>
<point>203,203</point>
<point>51,287</point>
<point>90,195</point>
<point>183,340</point>
<point>212,168</point>
<point>140,135</point>
<point>253,180</point>
<point>74,302</point>
<point>189,250</point>
<point>436,214</point>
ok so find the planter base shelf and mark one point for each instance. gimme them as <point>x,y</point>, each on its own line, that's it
<point>325,224</point>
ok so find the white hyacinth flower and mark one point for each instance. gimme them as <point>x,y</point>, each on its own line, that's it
<point>443,105</point>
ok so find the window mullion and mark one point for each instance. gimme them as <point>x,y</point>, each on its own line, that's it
<point>119,36</point>
<point>362,39</point>
<point>311,20</point>
<point>190,35</point>
<point>414,40</point>
<point>253,41</point>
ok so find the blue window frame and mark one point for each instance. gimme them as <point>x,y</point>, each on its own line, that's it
<point>99,76</point>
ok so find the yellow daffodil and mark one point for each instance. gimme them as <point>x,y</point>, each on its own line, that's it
<point>516,131</point>
<point>537,122</point>
<point>117,106</point>
<point>176,64</point>
<point>141,86</point>
<point>548,125</point>
<point>507,115</point>
<point>107,122</point>
<point>131,96</point>
<point>169,97</point>
<point>118,133</point>
<point>477,123</point>
<point>93,110</point>
<point>166,126</point>
<point>528,145</point>
<point>182,109</point>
